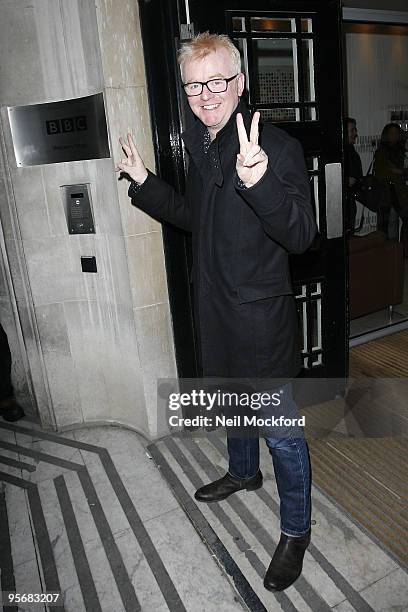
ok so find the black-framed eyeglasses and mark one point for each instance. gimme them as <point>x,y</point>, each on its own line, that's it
<point>213,85</point>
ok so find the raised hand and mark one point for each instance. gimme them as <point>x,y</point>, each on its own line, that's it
<point>132,164</point>
<point>252,161</point>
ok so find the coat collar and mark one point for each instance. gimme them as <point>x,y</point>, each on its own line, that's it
<point>227,137</point>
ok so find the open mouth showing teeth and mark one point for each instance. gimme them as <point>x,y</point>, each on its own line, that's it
<point>211,106</point>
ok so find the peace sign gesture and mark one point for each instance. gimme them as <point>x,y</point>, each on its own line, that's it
<point>132,164</point>
<point>252,161</point>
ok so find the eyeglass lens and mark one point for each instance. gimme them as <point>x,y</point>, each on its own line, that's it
<point>215,86</point>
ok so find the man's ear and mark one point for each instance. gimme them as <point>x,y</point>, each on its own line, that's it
<point>241,83</point>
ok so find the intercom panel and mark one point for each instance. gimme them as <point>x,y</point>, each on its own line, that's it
<point>78,209</point>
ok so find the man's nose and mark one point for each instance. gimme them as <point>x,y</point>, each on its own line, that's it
<point>206,93</point>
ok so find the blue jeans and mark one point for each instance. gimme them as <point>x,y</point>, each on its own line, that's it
<point>290,457</point>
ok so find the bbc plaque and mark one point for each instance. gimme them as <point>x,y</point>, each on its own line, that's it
<point>63,131</point>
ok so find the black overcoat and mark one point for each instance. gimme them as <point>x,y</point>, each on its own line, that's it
<point>245,310</point>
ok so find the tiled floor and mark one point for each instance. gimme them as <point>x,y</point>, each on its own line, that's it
<point>90,514</point>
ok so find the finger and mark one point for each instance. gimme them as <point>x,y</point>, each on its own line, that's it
<point>125,161</point>
<point>254,133</point>
<point>133,148</point>
<point>242,135</point>
<point>125,147</point>
<point>261,156</point>
<point>254,161</point>
<point>253,150</point>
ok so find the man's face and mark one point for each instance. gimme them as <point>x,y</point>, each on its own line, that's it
<point>352,132</point>
<point>213,109</point>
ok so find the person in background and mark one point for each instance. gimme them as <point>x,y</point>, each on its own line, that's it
<point>9,409</point>
<point>389,164</point>
<point>353,171</point>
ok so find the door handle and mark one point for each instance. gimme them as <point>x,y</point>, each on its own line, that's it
<point>334,200</point>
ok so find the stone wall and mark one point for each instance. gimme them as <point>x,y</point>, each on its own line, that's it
<point>101,340</point>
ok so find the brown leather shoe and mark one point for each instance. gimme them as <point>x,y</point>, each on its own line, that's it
<point>223,487</point>
<point>10,410</point>
<point>287,562</point>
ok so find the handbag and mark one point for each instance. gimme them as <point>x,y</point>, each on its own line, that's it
<point>373,192</point>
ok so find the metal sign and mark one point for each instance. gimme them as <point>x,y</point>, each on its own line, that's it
<point>68,130</point>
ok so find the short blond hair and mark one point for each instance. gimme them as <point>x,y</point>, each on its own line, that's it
<point>205,43</point>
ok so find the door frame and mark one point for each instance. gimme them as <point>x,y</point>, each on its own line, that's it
<point>361,15</point>
<point>160,32</point>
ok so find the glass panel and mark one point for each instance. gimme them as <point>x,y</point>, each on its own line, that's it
<point>310,162</point>
<point>277,70</point>
<point>318,289</point>
<point>241,43</point>
<point>313,308</point>
<point>318,360</point>
<point>238,24</point>
<point>308,70</point>
<point>304,327</point>
<point>263,24</point>
<point>302,321</point>
<point>315,200</point>
<point>303,294</point>
<point>279,114</point>
<point>307,25</point>
<point>310,113</point>
<point>316,323</point>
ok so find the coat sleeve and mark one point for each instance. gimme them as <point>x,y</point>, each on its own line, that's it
<point>281,200</point>
<point>161,201</point>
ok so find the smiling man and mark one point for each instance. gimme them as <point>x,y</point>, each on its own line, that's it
<point>247,205</point>
<point>214,103</point>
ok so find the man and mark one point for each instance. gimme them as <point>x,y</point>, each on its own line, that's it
<point>353,171</point>
<point>247,204</point>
